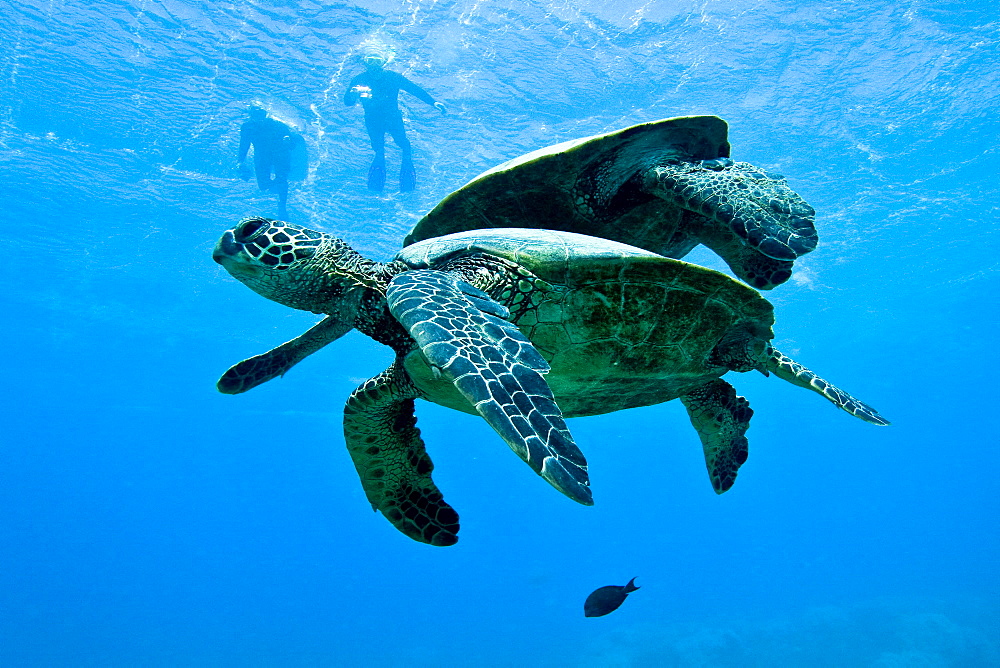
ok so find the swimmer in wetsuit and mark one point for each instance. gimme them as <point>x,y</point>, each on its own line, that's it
<point>272,150</point>
<point>378,89</point>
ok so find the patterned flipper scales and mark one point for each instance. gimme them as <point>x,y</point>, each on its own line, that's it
<point>759,207</point>
<point>395,471</point>
<point>251,372</point>
<point>786,368</point>
<point>465,336</point>
<point>721,419</point>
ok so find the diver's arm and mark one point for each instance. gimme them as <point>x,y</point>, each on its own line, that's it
<point>420,94</point>
<point>415,90</point>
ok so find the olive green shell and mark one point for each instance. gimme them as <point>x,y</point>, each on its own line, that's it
<point>621,327</point>
<point>584,186</point>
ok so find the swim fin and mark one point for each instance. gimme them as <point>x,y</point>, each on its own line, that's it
<point>376,177</point>
<point>407,177</point>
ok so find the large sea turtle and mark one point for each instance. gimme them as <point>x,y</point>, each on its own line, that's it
<point>521,327</point>
<point>664,186</point>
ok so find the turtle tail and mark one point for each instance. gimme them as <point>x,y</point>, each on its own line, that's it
<point>786,368</point>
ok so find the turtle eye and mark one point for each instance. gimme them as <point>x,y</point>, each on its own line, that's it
<point>248,230</point>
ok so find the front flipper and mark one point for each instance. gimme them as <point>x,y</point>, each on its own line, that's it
<point>463,334</point>
<point>721,418</point>
<point>251,372</point>
<point>384,442</point>
<point>786,368</point>
<point>758,207</point>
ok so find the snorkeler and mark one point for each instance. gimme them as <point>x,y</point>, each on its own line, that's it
<point>273,143</point>
<point>378,89</point>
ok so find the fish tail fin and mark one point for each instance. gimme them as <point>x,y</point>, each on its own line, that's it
<point>630,587</point>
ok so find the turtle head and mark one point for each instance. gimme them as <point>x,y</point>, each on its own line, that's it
<point>292,265</point>
<point>756,222</point>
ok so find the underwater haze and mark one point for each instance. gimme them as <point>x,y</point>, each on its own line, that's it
<point>148,520</point>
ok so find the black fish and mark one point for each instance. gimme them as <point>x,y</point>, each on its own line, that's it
<point>607,599</point>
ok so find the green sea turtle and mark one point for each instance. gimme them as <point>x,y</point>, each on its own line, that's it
<point>521,327</point>
<point>664,186</point>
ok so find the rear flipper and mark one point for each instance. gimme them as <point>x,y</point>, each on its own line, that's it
<point>722,419</point>
<point>786,368</point>
<point>384,442</point>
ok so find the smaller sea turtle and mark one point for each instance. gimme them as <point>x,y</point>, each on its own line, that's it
<point>664,186</point>
<point>521,327</point>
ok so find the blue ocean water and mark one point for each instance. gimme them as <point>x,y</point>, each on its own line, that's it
<point>146,519</point>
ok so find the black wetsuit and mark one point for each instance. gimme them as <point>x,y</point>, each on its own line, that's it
<point>382,113</point>
<point>272,150</point>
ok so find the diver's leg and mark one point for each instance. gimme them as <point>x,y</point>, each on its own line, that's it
<point>376,133</point>
<point>280,187</point>
<point>397,131</point>
<point>262,167</point>
<point>407,173</point>
<point>282,165</point>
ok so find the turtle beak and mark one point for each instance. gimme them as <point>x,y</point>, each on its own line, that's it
<point>230,254</point>
<point>226,249</point>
